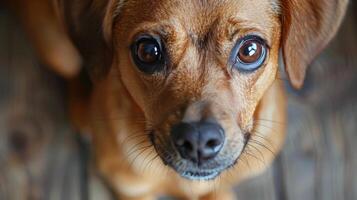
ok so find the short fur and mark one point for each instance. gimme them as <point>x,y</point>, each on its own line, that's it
<point>129,114</point>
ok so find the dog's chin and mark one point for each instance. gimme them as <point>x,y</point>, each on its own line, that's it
<point>195,173</point>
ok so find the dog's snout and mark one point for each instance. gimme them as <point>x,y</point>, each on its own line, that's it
<point>199,141</point>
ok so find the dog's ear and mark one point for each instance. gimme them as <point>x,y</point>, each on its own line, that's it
<point>112,11</point>
<point>45,29</point>
<point>307,27</point>
<point>90,24</point>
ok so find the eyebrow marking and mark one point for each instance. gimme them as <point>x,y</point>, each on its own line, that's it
<point>241,26</point>
<point>236,26</point>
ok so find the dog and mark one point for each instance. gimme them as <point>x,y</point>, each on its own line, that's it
<point>186,98</point>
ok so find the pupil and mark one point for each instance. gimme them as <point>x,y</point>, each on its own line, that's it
<point>250,49</point>
<point>148,52</point>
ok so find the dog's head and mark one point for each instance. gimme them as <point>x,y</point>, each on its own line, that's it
<point>198,69</point>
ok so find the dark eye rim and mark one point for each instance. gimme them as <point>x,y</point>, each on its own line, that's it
<point>236,63</point>
<point>148,68</point>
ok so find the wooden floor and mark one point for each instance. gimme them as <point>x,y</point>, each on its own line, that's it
<point>41,157</point>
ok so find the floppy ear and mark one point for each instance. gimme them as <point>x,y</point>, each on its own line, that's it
<point>112,11</point>
<point>44,28</point>
<point>90,24</point>
<point>307,27</point>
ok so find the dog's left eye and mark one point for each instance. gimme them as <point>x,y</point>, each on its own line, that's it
<point>147,54</point>
<point>249,53</point>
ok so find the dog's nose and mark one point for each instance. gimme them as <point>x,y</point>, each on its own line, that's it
<point>199,141</point>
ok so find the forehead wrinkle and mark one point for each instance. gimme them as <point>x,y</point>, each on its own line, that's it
<point>202,40</point>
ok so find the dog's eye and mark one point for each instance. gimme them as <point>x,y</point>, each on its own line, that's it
<point>148,51</point>
<point>249,53</point>
<point>147,54</point>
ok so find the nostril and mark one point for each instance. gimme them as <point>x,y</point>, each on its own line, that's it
<point>188,146</point>
<point>185,137</point>
<point>212,143</point>
<point>184,144</point>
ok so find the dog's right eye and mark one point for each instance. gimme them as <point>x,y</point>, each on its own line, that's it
<point>147,54</point>
<point>249,53</point>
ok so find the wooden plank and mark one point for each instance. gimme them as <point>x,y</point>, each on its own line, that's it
<point>39,153</point>
<point>261,187</point>
<point>4,54</point>
<point>34,154</point>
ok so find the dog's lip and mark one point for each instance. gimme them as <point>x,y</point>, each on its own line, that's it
<point>200,175</point>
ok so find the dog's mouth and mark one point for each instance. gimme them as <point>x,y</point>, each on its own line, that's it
<point>200,175</point>
<point>195,173</point>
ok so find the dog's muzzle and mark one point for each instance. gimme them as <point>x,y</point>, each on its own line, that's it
<point>198,150</point>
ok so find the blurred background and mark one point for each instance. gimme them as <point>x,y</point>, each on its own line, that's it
<point>42,158</point>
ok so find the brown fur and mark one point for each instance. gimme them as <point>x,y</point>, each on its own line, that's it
<point>126,105</point>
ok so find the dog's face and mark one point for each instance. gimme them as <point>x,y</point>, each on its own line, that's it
<point>197,70</point>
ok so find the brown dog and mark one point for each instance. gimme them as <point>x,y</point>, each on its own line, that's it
<point>186,99</point>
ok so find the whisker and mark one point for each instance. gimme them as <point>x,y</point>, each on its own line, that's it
<point>269,120</point>
<point>144,161</point>
<point>133,148</point>
<point>263,145</point>
<point>257,149</point>
<point>135,136</point>
<point>243,161</point>
<point>258,135</point>
<point>143,149</point>
<point>260,125</point>
<point>152,160</point>
<point>252,155</point>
